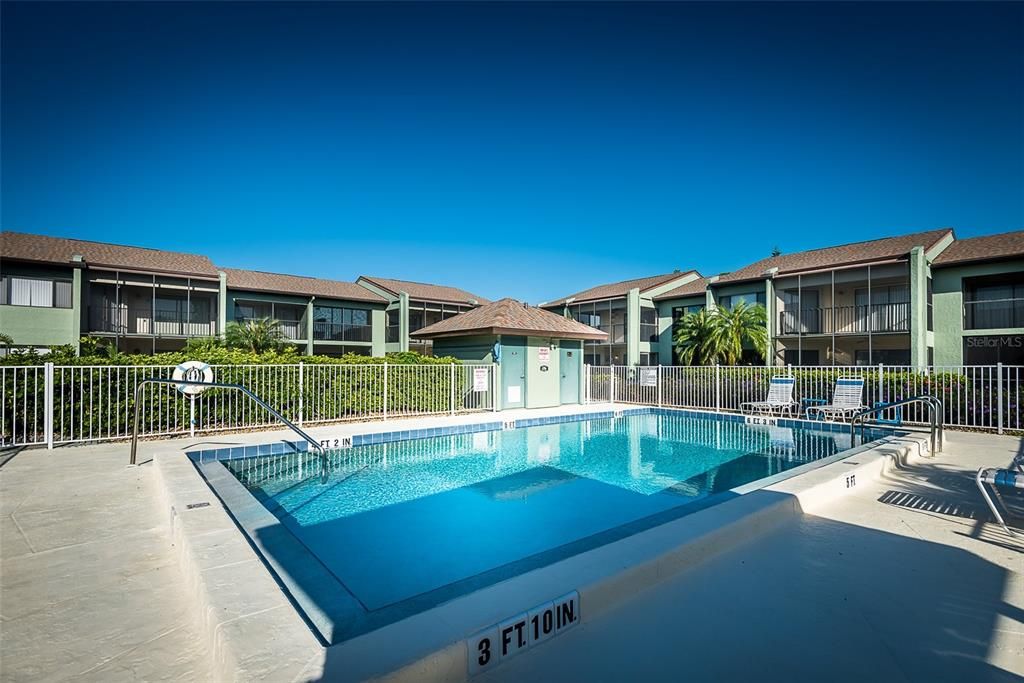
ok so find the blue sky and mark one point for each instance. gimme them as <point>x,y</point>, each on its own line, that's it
<point>525,150</point>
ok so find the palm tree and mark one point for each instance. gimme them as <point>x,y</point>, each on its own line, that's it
<point>258,335</point>
<point>742,324</point>
<point>693,339</point>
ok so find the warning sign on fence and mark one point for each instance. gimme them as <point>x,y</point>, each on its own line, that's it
<point>481,379</point>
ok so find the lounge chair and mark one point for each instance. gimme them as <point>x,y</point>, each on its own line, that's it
<point>846,400</point>
<point>780,398</point>
<point>1012,478</point>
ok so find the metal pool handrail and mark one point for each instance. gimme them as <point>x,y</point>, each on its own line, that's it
<point>216,385</point>
<point>935,414</point>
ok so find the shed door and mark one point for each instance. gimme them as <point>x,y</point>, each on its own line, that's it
<point>513,372</point>
<point>569,365</point>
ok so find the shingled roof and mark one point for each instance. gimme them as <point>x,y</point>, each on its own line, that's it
<point>508,316</point>
<point>829,257</point>
<point>259,281</point>
<point>695,288</point>
<point>987,248</point>
<point>44,249</point>
<point>424,291</point>
<point>617,289</point>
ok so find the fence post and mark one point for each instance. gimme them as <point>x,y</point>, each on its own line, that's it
<point>494,387</point>
<point>451,379</point>
<point>301,366</point>
<point>659,386</point>
<point>385,390</point>
<point>881,376</point>
<point>48,405</point>
<point>611,387</point>
<point>999,402</point>
<point>718,388</point>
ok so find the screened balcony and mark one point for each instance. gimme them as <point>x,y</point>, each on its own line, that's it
<point>290,316</point>
<point>338,324</point>
<point>876,318</point>
<point>137,308</point>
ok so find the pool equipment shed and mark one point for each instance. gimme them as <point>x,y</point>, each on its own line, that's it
<point>539,354</point>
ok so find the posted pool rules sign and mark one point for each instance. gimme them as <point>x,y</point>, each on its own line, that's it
<point>517,634</point>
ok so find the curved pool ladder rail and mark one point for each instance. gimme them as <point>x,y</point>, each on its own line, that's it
<point>218,385</point>
<point>935,419</point>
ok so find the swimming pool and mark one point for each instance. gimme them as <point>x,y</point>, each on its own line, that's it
<point>389,528</point>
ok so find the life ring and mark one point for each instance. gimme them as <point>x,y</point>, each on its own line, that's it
<point>192,371</point>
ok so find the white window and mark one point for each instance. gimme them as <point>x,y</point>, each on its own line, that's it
<point>23,291</point>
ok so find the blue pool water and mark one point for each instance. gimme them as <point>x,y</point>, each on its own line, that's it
<point>412,523</point>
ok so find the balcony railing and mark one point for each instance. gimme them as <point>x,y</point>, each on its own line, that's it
<point>993,314</point>
<point>342,332</point>
<point>292,329</point>
<point>846,320</point>
<point>140,321</point>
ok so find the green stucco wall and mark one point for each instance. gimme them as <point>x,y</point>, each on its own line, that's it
<point>664,346</point>
<point>31,326</point>
<point>948,307</point>
<point>44,327</point>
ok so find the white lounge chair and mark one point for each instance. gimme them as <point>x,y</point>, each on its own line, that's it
<point>1013,479</point>
<point>846,400</point>
<point>780,398</point>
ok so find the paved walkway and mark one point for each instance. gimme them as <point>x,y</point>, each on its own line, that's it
<point>90,589</point>
<point>902,581</point>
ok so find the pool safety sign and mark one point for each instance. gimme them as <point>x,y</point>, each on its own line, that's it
<point>648,377</point>
<point>544,354</point>
<point>515,635</point>
<point>481,379</point>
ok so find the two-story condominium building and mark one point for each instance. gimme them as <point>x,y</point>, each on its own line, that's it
<point>54,290</point>
<point>627,312</point>
<point>856,304</point>
<point>918,299</point>
<point>412,306</point>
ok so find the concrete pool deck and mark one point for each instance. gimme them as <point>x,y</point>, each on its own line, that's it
<point>887,581</point>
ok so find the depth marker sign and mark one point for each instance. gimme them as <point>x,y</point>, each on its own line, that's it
<point>521,632</point>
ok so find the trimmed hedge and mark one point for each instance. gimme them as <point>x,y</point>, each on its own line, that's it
<point>94,394</point>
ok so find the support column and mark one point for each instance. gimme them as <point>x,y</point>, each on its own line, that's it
<point>771,320</point>
<point>403,321</point>
<point>918,308</point>
<point>309,326</point>
<point>379,323</point>
<point>76,309</point>
<point>633,327</point>
<point>222,304</point>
